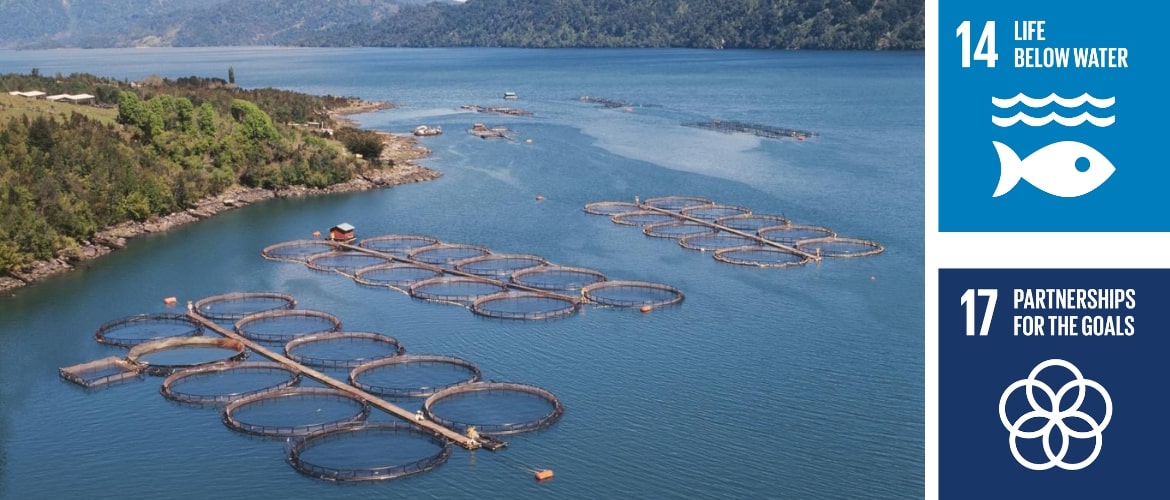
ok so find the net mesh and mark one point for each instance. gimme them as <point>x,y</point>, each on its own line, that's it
<point>183,352</point>
<point>294,412</point>
<point>342,349</point>
<point>558,278</point>
<point>610,208</point>
<point>642,218</point>
<point>751,223</point>
<point>398,244</point>
<point>222,383</point>
<point>236,305</point>
<point>376,452</point>
<point>632,294</point>
<point>460,290</point>
<point>447,254</point>
<point>100,372</point>
<point>343,262</point>
<point>676,229</point>
<point>394,275</point>
<point>711,213</point>
<point>413,375</point>
<point>706,242</point>
<point>297,250</point>
<point>133,330</point>
<point>760,256</point>
<point>676,203</point>
<point>499,265</point>
<point>792,233</point>
<point>494,408</point>
<point>523,305</point>
<point>840,247</point>
<point>285,325</point>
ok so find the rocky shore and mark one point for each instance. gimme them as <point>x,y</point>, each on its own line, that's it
<point>399,151</point>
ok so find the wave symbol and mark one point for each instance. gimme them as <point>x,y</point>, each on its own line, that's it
<point>1035,121</point>
<point>1033,102</point>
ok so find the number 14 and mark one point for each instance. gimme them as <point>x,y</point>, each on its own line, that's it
<point>984,50</point>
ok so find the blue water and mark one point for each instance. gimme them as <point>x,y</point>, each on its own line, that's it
<point>783,383</point>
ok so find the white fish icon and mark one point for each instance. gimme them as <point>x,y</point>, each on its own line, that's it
<point>1053,169</point>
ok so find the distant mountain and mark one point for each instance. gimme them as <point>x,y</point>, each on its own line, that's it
<point>126,23</point>
<point>772,24</point>
<point>775,24</point>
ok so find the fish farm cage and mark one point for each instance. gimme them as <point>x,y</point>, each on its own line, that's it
<point>512,286</point>
<point>133,330</point>
<point>384,441</point>
<point>732,233</point>
<point>325,428</point>
<point>545,412</point>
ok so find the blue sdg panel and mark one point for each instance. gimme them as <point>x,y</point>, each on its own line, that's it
<point>1052,116</point>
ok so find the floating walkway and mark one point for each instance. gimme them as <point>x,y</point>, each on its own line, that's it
<point>503,286</point>
<point>496,110</point>
<point>733,234</point>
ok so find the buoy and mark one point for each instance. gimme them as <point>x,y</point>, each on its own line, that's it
<point>544,474</point>
<point>170,301</point>
<point>528,141</point>
<point>646,309</point>
<point>316,234</point>
<point>539,197</point>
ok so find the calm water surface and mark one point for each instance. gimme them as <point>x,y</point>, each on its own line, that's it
<point>796,383</point>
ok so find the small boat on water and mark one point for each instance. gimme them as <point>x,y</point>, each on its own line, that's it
<point>510,95</point>
<point>423,130</point>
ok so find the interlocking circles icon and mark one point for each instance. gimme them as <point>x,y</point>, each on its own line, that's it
<point>1055,417</point>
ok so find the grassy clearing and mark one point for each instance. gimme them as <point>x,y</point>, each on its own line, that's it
<point>16,106</point>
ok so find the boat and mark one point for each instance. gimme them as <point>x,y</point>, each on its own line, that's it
<point>510,95</point>
<point>423,130</point>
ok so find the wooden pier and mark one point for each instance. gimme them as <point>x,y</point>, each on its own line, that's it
<point>753,237</point>
<point>371,399</point>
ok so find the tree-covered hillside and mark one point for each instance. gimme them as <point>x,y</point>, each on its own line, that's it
<point>145,149</point>
<point>776,24</point>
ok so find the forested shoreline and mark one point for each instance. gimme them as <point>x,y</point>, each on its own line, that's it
<point>154,148</point>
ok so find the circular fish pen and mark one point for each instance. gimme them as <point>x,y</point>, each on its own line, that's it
<point>494,408</point>
<point>558,278</point>
<point>789,234</point>
<point>610,208</point>
<point>133,330</point>
<point>760,256</point>
<point>676,203</point>
<point>236,305</point>
<point>368,453</point>
<point>399,245</point>
<point>346,263</point>
<point>499,265</point>
<point>447,254</point>
<point>297,251</point>
<point>166,356</point>
<point>836,246</point>
<point>394,275</point>
<point>294,412</point>
<point>460,290</point>
<point>676,229</point>
<point>412,376</point>
<point>283,326</point>
<point>711,213</point>
<point>523,305</point>
<point>222,383</point>
<point>751,223</point>
<point>708,242</point>
<point>642,218</point>
<point>342,349</point>
<point>632,294</point>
